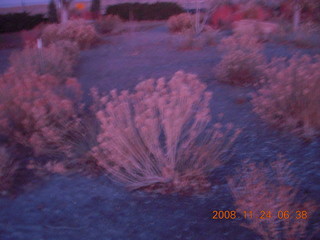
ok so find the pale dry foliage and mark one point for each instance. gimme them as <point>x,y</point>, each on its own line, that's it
<point>157,136</point>
<point>8,168</point>
<point>290,96</point>
<point>242,62</point>
<point>58,59</point>
<point>181,23</point>
<point>78,31</point>
<point>258,29</point>
<point>256,189</point>
<point>37,112</point>
<point>109,24</point>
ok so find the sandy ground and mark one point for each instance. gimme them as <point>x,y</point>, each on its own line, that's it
<point>78,207</point>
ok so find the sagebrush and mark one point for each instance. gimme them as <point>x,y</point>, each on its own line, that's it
<point>79,31</point>
<point>158,138</point>
<point>181,23</point>
<point>109,24</point>
<point>58,59</point>
<point>290,98</point>
<point>242,62</point>
<point>269,198</point>
<point>39,113</point>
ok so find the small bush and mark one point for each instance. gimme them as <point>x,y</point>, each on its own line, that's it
<point>15,22</point>
<point>145,11</point>
<point>257,189</point>
<point>290,96</point>
<point>58,59</point>
<point>108,24</point>
<point>37,112</point>
<point>242,62</point>
<point>156,138</point>
<point>7,169</point>
<point>181,23</point>
<point>84,34</point>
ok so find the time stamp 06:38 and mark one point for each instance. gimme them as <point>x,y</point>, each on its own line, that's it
<point>263,215</point>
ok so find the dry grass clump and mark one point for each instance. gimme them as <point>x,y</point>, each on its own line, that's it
<point>157,137</point>
<point>37,112</point>
<point>58,59</point>
<point>109,24</point>
<point>181,23</point>
<point>242,62</point>
<point>79,31</point>
<point>270,202</point>
<point>8,168</point>
<point>290,96</point>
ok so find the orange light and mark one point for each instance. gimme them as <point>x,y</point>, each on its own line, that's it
<point>80,6</point>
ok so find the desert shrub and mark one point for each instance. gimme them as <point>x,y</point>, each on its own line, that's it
<point>290,96</point>
<point>58,59</point>
<point>8,169</point>
<point>79,31</point>
<point>181,22</point>
<point>38,112</point>
<point>157,137</point>
<point>145,11</point>
<point>108,24</point>
<point>242,62</point>
<point>192,41</point>
<point>269,198</point>
<point>15,22</point>
<point>307,36</point>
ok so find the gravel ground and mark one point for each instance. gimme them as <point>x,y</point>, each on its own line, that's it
<point>78,207</point>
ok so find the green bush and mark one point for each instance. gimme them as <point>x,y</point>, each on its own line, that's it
<point>145,11</point>
<point>15,22</point>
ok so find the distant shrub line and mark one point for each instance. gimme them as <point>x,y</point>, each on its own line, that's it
<point>15,22</point>
<point>145,11</point>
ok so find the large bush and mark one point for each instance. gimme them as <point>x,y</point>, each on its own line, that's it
<point>38,112</point>
<point>15,22</point>
<point>242,62</point>
<point>157,136</point>
<point>79,31</point>
<point>145,11</point>
<point>58,59</point>
<point>290,96</point>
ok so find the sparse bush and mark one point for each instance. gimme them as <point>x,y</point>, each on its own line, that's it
<point>157,138</point>
<point>181,23</point>
<point>290,97</point>
<point>58,59</point>
<point>270,202</point>
<point>108,24</point>
<point>7,169</point>
<point>37,112</point>
<point>84,34</point>
<point>242,62</point>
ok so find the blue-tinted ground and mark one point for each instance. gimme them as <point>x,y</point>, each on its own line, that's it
<point>77,207</point>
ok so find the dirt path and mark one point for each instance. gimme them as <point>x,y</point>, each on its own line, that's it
<point>76,207</point>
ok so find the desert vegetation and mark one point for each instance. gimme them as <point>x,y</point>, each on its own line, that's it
<point>84,34</point>
<point>289,96</point>
<point>268,198</point>
<point>242,62</point>
<point>130,145</point>
<point>182,115</point>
